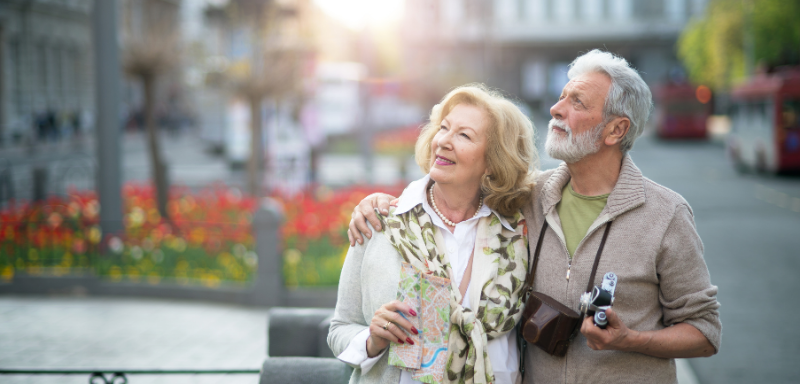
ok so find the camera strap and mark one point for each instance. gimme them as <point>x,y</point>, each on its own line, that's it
<point>528,288</point>
<point>597,257</point>
<point>532,272</point>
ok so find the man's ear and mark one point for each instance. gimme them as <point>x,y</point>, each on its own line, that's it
<point>617,129</point>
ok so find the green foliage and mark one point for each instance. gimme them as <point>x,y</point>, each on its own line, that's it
<point>713,48</point>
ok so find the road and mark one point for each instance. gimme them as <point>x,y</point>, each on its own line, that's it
<point>750,227</point>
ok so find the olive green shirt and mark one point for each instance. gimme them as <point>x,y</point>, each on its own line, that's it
<point>577,213</point>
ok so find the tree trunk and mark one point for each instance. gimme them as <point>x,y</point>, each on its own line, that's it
<point>156,161</point>
<point>254,165</point>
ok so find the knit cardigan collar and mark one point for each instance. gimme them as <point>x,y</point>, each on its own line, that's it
<point>627,194</point>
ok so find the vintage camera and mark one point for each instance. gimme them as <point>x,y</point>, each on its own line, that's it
<point>599,300</point>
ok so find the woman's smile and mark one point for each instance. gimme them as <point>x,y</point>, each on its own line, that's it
<point>444,161</point>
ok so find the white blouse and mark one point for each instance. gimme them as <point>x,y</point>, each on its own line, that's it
<point>502,351</point>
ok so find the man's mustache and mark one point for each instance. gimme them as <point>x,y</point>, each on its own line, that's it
<point>560,124</point>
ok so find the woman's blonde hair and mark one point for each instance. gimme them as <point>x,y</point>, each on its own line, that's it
<point>511,156</point>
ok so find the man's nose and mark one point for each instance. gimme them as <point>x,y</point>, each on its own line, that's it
<point>557,109</point>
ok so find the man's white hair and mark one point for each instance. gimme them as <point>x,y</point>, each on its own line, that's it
<point>629,96</point>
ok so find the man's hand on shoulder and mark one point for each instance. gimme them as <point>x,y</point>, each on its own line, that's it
<point>365,211</point>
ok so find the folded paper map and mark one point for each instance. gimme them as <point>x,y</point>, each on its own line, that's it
<point>430,297</point>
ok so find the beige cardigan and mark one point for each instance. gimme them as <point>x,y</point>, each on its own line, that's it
<point>655,251</point>
<point>370,275</point>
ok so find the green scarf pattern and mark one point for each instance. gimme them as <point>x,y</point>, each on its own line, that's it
<point>420,243</point>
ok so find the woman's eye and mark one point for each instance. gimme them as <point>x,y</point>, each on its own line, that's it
<point>465,135</point>
<point>442,128</point>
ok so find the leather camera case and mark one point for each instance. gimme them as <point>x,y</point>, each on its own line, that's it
<point>549,324</point>
<point>546,323</point>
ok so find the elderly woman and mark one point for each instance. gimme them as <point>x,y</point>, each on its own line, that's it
<point>436,296</point>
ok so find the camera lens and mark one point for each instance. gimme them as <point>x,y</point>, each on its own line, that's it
<point>600,319</point>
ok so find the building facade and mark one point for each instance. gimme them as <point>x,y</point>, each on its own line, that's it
<point>45,64</point>
<point>524,46</point>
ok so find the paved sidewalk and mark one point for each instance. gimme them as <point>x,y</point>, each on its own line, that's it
<point>83,333</point>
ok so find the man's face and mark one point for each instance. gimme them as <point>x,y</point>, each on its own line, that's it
<point>572,148</point>
<point>577,126</point>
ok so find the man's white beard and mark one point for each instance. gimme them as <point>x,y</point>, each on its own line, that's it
<point>571,148</point>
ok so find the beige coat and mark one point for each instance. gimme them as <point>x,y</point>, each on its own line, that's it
<point>654,249</point>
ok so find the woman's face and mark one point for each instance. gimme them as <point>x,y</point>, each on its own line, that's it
<point>459,148</point>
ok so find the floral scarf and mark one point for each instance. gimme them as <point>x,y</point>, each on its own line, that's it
<point>421,244</point>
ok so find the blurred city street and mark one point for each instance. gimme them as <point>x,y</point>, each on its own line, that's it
<point>206,149</point>
<point>748,224</point>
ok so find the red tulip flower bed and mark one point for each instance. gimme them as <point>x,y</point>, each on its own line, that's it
<point>209,240</point>
<point>315,233</point>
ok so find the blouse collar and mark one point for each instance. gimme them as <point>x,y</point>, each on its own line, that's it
<point>416,193</point>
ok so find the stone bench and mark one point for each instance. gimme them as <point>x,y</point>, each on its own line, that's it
<point>304,370</point>
<point>297,348</point>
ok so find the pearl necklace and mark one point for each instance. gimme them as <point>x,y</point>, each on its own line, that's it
<point>446,220</point>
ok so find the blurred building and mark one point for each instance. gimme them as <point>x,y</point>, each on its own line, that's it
<point>45,67</point>
<point>524,46</point>
<point>234,45</point>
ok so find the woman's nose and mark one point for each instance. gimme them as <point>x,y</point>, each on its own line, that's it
<point>445,141</point>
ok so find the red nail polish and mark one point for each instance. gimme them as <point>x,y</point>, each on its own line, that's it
<point>409,341</point>
<point>400,341</point>
<point>413,313</point>
<point>414,329</point>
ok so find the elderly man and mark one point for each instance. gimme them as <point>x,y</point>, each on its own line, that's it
<point>665,305</point>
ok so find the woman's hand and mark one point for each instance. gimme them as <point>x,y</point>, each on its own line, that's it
<point>387,326</point>
<point>365,210</point>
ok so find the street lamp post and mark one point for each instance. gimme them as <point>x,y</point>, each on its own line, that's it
<point>107,127</point>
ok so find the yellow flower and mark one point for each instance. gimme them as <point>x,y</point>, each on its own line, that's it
<point>95,234</point>
<point>292,256</point>
<point>153,278</point>
<point>8,273</point>
<point>136,217</point>
<point>115,273</point>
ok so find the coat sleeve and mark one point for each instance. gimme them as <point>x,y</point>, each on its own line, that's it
<point>348,318</point>
<point>685,290</point>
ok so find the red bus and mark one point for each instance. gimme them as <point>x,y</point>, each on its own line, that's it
<point>765,123</point>
<point>682,111</point>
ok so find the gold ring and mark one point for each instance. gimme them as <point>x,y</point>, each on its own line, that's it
<point>386,326</point>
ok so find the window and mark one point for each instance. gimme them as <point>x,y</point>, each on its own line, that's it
<point>649,9</point>
<point>42,70</point>
<point>16,76</point>
<point>790,114</point>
